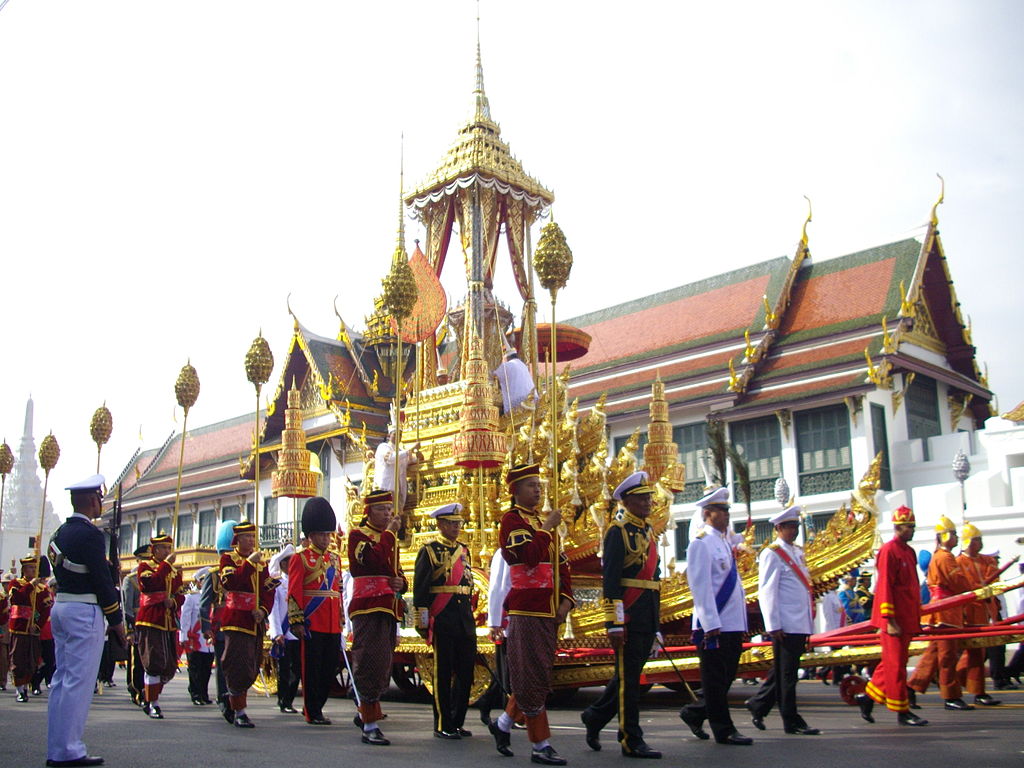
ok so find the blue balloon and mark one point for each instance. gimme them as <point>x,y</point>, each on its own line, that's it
<point>924,557</point>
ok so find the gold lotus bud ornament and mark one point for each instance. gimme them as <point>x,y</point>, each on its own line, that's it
<point>399,287</point>
<point>101,426</point>
<point>553,258</point>
<point>49,452</point>
<point>186,388</point>
<point>6,459</point>
<point>259,362</point>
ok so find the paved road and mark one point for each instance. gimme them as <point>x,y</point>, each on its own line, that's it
<point>198,736</point>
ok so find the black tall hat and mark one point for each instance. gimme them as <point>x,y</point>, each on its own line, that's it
<point>318,516</point>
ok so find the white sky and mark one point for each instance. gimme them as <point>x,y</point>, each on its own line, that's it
<point>169,172</point>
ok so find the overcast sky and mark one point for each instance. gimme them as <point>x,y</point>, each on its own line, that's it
<point>169,172</point>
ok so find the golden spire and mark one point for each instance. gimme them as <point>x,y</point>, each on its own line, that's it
<point>942,197</point>
<point>803,235</point>
<point>482,113</point>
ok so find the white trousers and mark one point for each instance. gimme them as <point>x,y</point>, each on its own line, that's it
<point>78,633</point>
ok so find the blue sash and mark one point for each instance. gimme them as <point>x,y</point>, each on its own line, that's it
<point>316,602</point>
<point>721,598</point>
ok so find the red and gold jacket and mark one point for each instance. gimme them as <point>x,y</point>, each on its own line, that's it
<point>157,582</point>
<point>5,611</point>
<point>244,587</point>
<point>979,571</point>
<point>314,590</point>
<point>538,569</point>
<point>372,560</point>
<point>945,578</point>
<point>29,607</point>
<point>897,590</point>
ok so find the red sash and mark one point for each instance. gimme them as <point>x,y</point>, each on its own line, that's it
<point>784,555</point>
<point>151,598</point>
<point>21,612</point>
<point>541,576</point>
<point>631,594</point>
<point>371,586</point>
<point>441,600</point>
<point>240,601</point>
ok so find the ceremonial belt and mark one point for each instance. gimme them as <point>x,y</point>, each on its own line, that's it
<point>71,597</point>
<point>939,592</point>
<point>784,556</point>
<point>151,598</point>
<point>641,584</point>
<point>22,612</point>
<point>72,566</point>
<point>371,586</point>
<point>320,593</point>
<point>240,601</point>
<point>540,576</point>
<point>451,590</point>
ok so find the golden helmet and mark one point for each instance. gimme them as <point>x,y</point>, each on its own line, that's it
<point>944,528</point>
<point>969,532</point>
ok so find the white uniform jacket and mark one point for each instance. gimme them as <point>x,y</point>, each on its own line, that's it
<point>279,613</point>
<point>709,561</point>
<point>785,601</point>
<point>190,622</point>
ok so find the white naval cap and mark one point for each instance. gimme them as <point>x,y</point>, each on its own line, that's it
<point>448,512</point>
<point>717,496</point>
<point>787,515</point>
<point>91,483</point>
<point>635,484</point>
<point>274,568</point>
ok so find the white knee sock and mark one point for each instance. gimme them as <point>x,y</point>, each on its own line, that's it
<point>505,722</point>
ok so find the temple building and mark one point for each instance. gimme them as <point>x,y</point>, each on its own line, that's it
<point>814,368</point>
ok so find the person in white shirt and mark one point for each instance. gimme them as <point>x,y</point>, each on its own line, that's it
<point>286,648</point>
<point>787,599</point>
<point>719,619</point>
<point>515,382</point>
<point>498,586</point>
<point>384,470</point>
<point>198,650</point>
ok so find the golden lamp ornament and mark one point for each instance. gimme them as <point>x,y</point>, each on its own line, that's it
<point>400,291</point>
<point>553,258</point>
<point>6,465</point>
<point>259,362</point>
<point>186,390</point>
<point>49,453</point>
<point>100,428</point>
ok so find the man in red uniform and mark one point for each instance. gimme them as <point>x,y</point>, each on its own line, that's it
<point>945,578</point>
<point>375,608</point>
<point>5,630</point>
<point>978,570</point>
<point>30,603</point>
<point>314,607</point>
<point>539,601</point>
<point>156,623</point>
<point>248,598</point>
<point>896,612</point>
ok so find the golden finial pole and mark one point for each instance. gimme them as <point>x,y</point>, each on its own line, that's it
<point>259,362</point>
<point>186,390</point>
<point>100,427</point>
<point>49,453</point>
<point>6,465</point>
<point>942,198</point>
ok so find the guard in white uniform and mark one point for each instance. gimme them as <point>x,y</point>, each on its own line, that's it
<point>719,619</point>
<point>87,601</point>
<point>787,599</point>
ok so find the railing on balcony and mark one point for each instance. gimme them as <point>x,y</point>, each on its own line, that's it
<point>276,535</point>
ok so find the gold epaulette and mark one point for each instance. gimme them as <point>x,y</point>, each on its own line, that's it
<point>614,612</point>
<point>701,535</point>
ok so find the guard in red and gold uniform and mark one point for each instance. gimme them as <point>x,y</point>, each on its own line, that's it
<point>978,571</point>
<point>314,607</point>
<point>896,613</point>
<point>5,630</point>
<point>945,578</point>
<point>539,601</point>
<point>30,603</point>
<point>156,623</point>
<point>443,597</point>
<point>375,608</point>
<point>248,597</point>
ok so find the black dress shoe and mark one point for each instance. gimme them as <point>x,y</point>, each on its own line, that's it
<point>375,737</point>
<point>228,713</point>
<point>87,760</point>
<point>756,719</point>
<point>957,704</point>
<point>641,750</point>
<point>206,700</point>
<point>695,723</point>
<point>866,704</point>
<point>463,733</point>
<point>547,756</point>
<point>289,710</point>
<point>321,720</point>
<point>593,735</point>
<point>909,718</point>
<point>21,697</point>
<point>736,738</point>
<point>37,691</point>
<point>986,701</point>
<point>446,735</point>
<point>242,721</point>
<point>153,711</point>
<point>357,721</point>
<point>196,701</point>
<point>803,730</point>
<point>502,740</point>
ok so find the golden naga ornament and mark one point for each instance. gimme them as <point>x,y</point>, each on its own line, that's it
<point>259,362</point>
<point>553,258</point>
<point>49,453</point>
<point>399,287</point>
<point>186,388</point>
<point>6,459</point>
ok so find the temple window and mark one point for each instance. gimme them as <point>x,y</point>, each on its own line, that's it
<point>207,528</point>
<point>759,442</point>
<point>823,450</point>
<point>923,411</point>
<point>184,537</point>
<point>691,440</point>
<point>880,444</point>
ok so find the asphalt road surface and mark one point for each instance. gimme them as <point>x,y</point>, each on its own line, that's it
<point>198,736</point>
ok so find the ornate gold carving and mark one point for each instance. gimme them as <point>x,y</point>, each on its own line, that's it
<point>854,404</point>
<point>771,320</point>
<point>785,417</point>
<point>957,407</point>
<point>879,374</point>
<point>897,397</point>
<point>934,218</point>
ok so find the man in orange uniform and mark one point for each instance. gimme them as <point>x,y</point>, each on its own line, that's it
<point>978,571</point>
<point>248,598</point>
<point>375,608</point>
<point>314,607</point>
<point>895,613</point>
<point>945,578</point>
<point>539,601</point>
<point>30,603</point>
<point>156,623</point>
